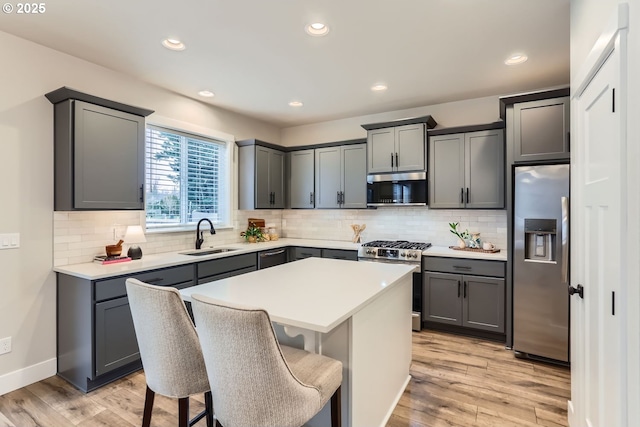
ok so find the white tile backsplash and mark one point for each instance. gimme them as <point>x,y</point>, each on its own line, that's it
<point>79,236</point>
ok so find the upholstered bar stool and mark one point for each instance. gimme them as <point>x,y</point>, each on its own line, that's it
<point>254,381</point>
<point>170,350</point>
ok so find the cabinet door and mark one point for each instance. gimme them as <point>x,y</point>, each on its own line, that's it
<point>354,176</point>
<point>298,253</point>
<point>483,303</point>
<point>541,130</point>
<point>484,169</point>
<point>381,150</point>
<point>340,254</point>
<point>328,177</point>
<point>442,298</point>
<point>446,171</point>
<point>108,158</point>
<point>276,178</point>
<point>409,148</point>
<point>301,179</point>
<point>262,188</point>
<point>115,336</point>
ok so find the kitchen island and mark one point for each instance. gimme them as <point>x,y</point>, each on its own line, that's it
<point>356,312</point>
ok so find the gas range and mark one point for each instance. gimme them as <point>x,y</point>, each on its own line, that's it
<point>392,251</point>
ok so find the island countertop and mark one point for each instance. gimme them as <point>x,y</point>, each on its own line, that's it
<point>315,293</point>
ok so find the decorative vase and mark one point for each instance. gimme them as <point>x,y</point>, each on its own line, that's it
<point>461,244</point>
<point>252,239</point>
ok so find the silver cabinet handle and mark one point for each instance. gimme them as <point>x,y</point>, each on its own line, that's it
<point>564,202</point>
<point>311,198</point>
<point>266,254</point>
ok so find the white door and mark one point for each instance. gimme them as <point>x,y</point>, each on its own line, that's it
<point>598,206</point>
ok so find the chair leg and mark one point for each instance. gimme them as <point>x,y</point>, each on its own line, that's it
<point>183,412</point>
<point>208,403</point>
<point>148,407</point>
<point>336,408</point>
<point>218,423</point>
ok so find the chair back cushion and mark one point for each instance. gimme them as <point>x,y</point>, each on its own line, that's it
<point>251,383</point>
<point>169,346</point>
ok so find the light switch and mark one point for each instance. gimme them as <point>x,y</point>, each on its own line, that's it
<point>10,241</point>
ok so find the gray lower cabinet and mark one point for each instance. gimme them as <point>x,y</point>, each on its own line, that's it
<point>301,179</point>
<point>296,253</point>
<point>541,130</point>
<point>466,170</point>
<point>221,268</point>
<point>340,254</point>
<point>96,341</point>
<point>470,301</point>
<point>341,177</point>
<point>260,176</point>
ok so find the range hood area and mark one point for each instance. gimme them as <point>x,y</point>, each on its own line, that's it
<point>397,162</point>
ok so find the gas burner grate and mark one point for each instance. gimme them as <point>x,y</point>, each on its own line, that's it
<point>397,244</point>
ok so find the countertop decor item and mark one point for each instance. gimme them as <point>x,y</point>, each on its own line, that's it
<point>357,231</point>
<point>462,236</point>
<point>133,236</point>
<point>114,250</point>
<point>104,259</point>
<point>253,234</point>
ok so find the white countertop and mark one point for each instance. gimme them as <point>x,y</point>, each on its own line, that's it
<point>314,293</point>
<point>94,271</point>
<point>445,251</point>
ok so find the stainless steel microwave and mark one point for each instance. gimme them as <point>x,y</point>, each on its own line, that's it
<point>397,189</point>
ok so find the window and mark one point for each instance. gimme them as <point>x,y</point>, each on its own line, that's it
<point>187,179</point>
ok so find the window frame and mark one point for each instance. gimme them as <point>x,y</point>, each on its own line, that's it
<point>225,201</point>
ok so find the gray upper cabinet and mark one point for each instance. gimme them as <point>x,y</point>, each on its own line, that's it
<point>301,179</point>
<point>98,153</point>
<point>466,170</point>
<point>396,149</point>
<point>541,130</point>
<point>341,177</point>
<point>260,177</point>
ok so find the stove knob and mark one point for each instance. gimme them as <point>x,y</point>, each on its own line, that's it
<point>370,251</point>
<point>401,254</point>
<point>415,255</point>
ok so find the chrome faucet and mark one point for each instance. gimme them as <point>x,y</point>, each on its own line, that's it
<point>199,237</point>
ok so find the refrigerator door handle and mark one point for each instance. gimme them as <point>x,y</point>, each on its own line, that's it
<point>564,201</point>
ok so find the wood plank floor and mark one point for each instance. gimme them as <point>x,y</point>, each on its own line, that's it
<point>456,381</point>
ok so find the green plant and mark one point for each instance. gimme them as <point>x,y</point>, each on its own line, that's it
<point>462,235</point>
<point>253,231</point>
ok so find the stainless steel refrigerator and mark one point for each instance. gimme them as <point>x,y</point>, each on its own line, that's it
<point>541,261</point>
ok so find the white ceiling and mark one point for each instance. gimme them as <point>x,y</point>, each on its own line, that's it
<point>256,56</point>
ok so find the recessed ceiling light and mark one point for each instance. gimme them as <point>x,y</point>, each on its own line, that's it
<point>295,104</point>
<point>516,59</point>
<point>173,44</point>
<point>317,29</point>
<point>206,93</point>
<point>378,87</point>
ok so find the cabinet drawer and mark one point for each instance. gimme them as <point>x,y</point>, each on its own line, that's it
<point>340,254</point>
<point>221,276</point>
<point>223,265</point>
<point>112,288</point>
<point>464,266</point>
<point>301,253</point>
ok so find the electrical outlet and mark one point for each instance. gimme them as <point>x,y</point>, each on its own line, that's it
<point>5,345</point>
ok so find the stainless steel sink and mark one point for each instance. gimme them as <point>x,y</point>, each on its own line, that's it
<point>203,252</point>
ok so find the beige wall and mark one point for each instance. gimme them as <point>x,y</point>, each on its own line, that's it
<point>27,283</point>
<point>460,113</point>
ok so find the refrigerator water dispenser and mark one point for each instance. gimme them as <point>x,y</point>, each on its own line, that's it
<point>540,240</point>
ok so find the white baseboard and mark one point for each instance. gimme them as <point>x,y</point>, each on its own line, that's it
<point>29,375</point>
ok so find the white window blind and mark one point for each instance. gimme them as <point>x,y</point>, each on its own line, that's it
<point>187,179</point>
